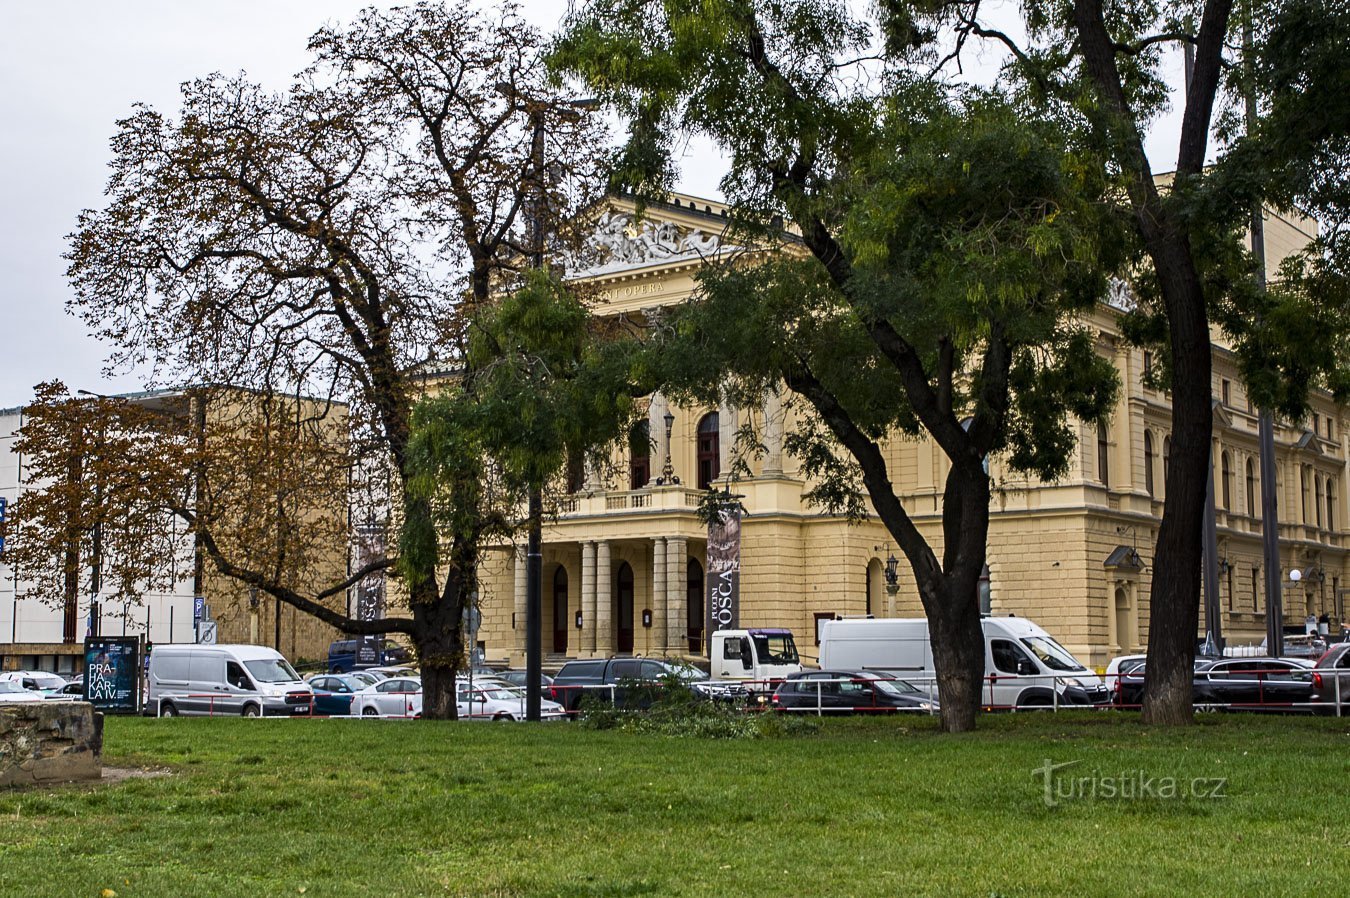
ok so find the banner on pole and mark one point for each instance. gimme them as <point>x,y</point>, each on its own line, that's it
<point>370,547</point>
<point>112,673</point>
<point>724,572</point>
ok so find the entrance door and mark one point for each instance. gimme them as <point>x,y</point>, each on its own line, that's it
<point>560,616</point>
<point>624,601</point>
<point>694,602</point>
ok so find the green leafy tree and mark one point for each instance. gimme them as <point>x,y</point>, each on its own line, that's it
<point>1096,66</point>
<point>919,261</point>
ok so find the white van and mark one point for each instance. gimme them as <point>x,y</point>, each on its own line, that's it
<point>248,680</point>
<point>1023,665</point>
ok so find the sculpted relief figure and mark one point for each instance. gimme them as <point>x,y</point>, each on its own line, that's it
<point>653,242</point>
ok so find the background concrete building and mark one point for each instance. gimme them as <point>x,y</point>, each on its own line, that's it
<point>625,557</point>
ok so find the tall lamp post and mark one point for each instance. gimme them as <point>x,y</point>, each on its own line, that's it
<point>567,110</point>
<point>96,563</point>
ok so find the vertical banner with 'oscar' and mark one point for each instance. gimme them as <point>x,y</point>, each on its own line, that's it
<point>724,572</point>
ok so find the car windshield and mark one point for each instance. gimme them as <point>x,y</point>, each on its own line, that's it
<point>6,686</point>
<point>1052,654</point>
<point>894,687</point>
<point>497,693</point>
<point>686,672</point>
<point>272,670</point>
<point>775,648</point>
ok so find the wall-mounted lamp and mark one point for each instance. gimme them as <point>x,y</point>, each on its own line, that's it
<point>578,620</point>
<point>646,617</point>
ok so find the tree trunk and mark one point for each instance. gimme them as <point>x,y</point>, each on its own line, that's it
<point>1175,598</point>
<point>440,650</point>
<point>958,656</point>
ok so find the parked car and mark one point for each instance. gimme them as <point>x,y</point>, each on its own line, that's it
<point>849,691</point>
<point>343,654</point>
<point>34,680</point>
<point>394,697</point>
<point>518,678</point>
<point>1129,686</point>
<point>333,693</point>
<point>497,701</point>
<point>13,693</point>
<point>1331,679</point>
<point>1256,684</point>
<point>603,679</point>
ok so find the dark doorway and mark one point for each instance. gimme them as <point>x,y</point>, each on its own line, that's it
<point>640,456</point>
<point>694,595</point>
<point>560,617</point>
<point>624,600</point>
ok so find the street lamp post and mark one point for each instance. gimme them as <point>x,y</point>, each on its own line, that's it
<point>536,110</point>
<point>96,562</point>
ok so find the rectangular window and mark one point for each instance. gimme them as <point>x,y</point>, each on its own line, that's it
<point>1227,387</point>
<point>1256,589</point>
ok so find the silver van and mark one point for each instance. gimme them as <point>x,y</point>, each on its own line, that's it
<point>247,680</point>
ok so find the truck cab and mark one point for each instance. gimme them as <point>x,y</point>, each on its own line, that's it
<point>754,655</point>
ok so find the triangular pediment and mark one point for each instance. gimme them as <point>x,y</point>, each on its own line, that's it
<point>1221,414</point>
<point>623,241</point>
<point>1309,442</point>
<point>1124,558</point>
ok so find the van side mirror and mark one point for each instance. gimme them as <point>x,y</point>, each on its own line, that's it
<point>1026,668</point>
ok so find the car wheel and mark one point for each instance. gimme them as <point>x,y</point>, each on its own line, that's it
<point>252,711</point>
<point>1034,703</point>
<point>503,718</point>
<point>369,712</point>
<point>168,709</point>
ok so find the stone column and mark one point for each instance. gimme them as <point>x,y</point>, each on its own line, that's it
<point>604,601</point>
<point>656,429</point>
<point>726,439</point>
<point>772,435</point>
<point>587,635</point>
<point>677,610</point>
<point>520,631</point>
<point>660,617</point>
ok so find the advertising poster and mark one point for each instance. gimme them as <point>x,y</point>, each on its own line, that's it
<point>370,593</point>
<point>724,572</point>
<point>112,673</point>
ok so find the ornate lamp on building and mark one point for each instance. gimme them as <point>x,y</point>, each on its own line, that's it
<point>668,477</point>
<point>892,583</point>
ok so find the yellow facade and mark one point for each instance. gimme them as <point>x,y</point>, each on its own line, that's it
<point>1060,553</point>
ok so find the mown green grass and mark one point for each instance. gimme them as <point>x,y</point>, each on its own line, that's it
<point>876,807</point>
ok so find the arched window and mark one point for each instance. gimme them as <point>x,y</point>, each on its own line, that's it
<point>639,455</point>
<point>1148,462</point>
<point>1226,471</point>
<point>576,472</point>
<point>709,450</point>
<point>1167,459</point>
<point>1317,498</point>
<point>1305,493</point>
<point>1103,448</point>
<point>1251,489</point>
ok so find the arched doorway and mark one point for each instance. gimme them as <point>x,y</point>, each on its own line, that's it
<point>623,600</point>
<point>694,602</point>
<point>1124,615</point>
<point>876,578</point>
<point>560,610</point>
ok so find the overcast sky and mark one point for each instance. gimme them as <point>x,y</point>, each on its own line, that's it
<point>68,70</point>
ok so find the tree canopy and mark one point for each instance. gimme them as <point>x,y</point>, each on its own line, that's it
<point>918,259</point>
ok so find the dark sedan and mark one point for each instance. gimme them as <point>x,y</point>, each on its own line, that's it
<point>333,693</point>
<point>1255,684</point>
<point>1239,684</point>
<point>849,691</point>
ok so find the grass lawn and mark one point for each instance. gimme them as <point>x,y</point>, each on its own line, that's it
<point>864,807</point>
